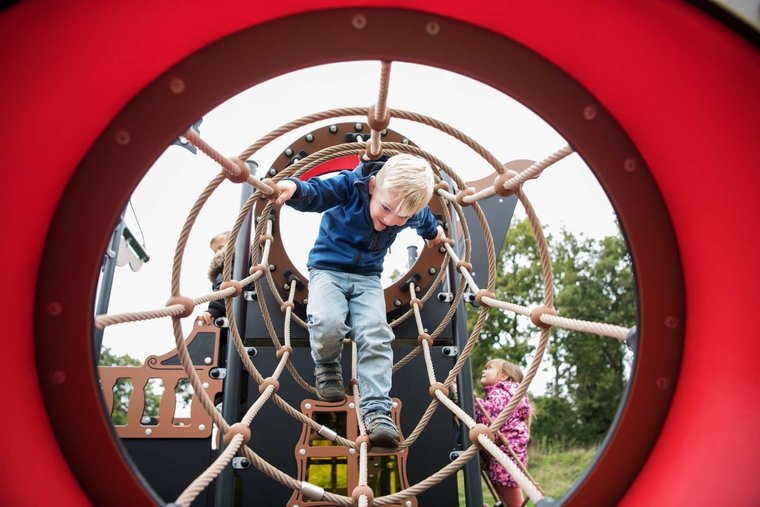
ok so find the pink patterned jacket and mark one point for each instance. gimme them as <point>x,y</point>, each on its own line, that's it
<point>515,428</point>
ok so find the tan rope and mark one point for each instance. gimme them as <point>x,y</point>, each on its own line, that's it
<point>229,168</point>
<point>381,108</point>
<point>440,397</point>
<point>505,443</point>
<point>531,172</point>
<point>526,485</point>
<point>585,326</point>
<point>212,472</point>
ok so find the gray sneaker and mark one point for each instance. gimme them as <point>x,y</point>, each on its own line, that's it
<point>381,430</point>
<point>329,382</point>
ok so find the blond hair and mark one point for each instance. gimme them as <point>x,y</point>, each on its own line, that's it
<point>511,372</point>
<point>411,179</point>
<point>218,238</point>
<point>506,369</point>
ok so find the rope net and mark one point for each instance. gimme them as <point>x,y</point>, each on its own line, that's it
<point>543,315</point>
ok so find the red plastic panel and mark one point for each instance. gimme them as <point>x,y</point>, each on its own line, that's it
<point>683,86</point>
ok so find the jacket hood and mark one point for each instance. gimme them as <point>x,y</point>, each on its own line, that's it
<point>217,265</point>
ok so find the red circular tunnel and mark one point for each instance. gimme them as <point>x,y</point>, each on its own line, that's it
<point>683,86</point>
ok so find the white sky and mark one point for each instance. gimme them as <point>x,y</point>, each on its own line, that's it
<point>566,194</point>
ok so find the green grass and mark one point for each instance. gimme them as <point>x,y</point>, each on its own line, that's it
<point>554,468</point>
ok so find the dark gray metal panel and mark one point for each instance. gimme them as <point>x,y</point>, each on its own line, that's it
<point>275,434</point>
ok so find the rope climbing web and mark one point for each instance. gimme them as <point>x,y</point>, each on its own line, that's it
<point>454,195</point>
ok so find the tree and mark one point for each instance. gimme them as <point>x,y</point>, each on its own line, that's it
<point>593,281</point>
<point>518,280</point>
<point>122,390</point>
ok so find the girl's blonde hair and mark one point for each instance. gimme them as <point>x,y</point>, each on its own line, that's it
<point>410,178</point>
<point>512,372</point>
<point>508,370</point>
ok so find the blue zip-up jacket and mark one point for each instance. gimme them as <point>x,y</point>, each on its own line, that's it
<point>347,241</point>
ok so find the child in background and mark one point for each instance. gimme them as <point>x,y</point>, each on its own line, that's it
<point>216,309</point>
<point>364,210</point>
<point>500,379</point>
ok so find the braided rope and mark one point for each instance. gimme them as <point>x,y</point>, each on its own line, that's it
<point>531,172</point>
<point>381,107</point>
<point>212,472</point>
<point>176,310</point>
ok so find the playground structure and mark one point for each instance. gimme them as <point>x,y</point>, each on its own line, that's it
<point>702,279</point>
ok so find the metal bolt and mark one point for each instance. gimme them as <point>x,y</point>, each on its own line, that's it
<point>272,171</point>
<point>397,302</point>
<point>205,385</point>
<point>432,28</point>
<point>309,138</point>
<point>384,132</point>
<point>122,137</point>
<point>207,360</point>
<point>201,427</point>
<point>432,271</point>
<point>177,86</point>
<point>58,377</point>
<point>272,267</point>
<point>289,152</point>
<point>358,127</point>
<point>305,301</point>
<point>589,112</point>
<point>148,431</point>
<point>352,405</point>
<point>286,286</point>
<point>629,165</point>
<point>352,451</point>
<point>405,141</point>
<point>307,406</point>
<point>54,309</point>
<point>333,129</point>
<point>296,159</point>
<point>359,21</point>
<point>302,452</point>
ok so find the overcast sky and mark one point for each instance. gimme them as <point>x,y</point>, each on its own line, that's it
<point>567,194</point>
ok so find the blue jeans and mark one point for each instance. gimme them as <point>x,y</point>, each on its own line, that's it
<point>337,300</point>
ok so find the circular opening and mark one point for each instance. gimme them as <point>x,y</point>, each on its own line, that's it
<point>157,120</point>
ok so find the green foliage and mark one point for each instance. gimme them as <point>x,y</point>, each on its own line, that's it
<point>555,468</point>
<point>123,389</point>
<point>593,281</point>
<point>555,421</point>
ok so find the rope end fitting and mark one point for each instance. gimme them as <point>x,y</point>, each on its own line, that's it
<point>234,430</point>
<point>476,431</point>
<point>498,183</point>
<point>465,192</point>
<point>438,386</point>
<point>232,283</point>
<point>269,381</point>
<point>269,182</point>
<point>376,124</point>
<point>535,316</point>
<point>483,293</point>
<point>258,267</point>
<point>283,350</point>
<point>244,173</point>
<point>363,490</point>
<point>424,337</point>
<point>184,301</point>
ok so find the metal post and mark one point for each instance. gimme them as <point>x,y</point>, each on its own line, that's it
<point>106,284</point>
<point>225,483</point>
<point>473,490</point>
